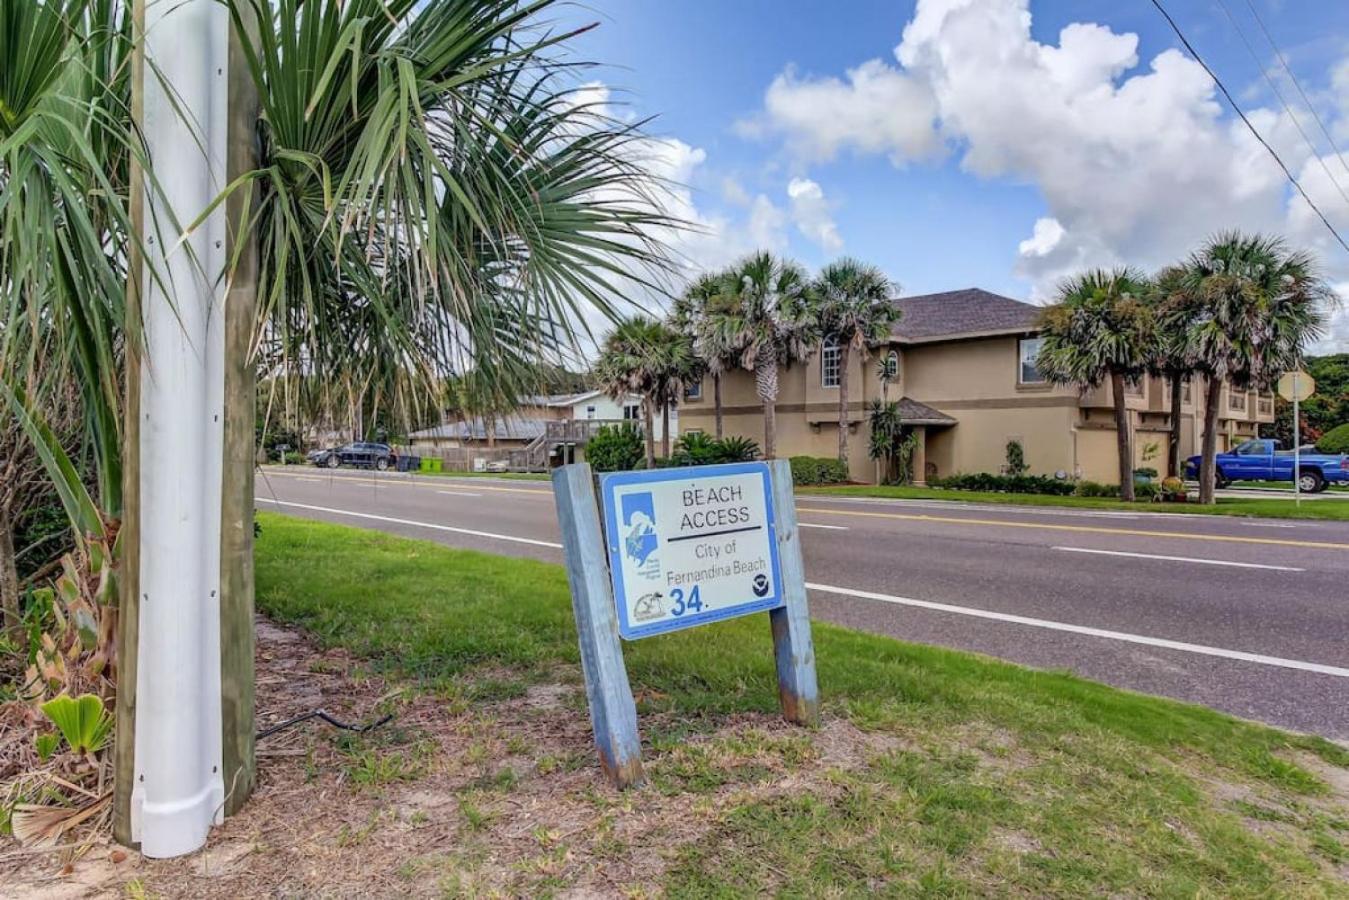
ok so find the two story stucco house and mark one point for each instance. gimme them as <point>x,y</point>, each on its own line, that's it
<point>965,376</point>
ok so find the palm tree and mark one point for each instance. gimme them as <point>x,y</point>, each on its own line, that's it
<point>429,197</point>
<point>644,357</point>
<point>855,310</point>
<point>765,320</point>
<point>1101,329</point>
<point>689,316</point>
<point>1248,307</point>
<point>1171,300</point>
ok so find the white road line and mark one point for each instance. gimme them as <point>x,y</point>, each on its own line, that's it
<point>1186,559</point>
<point>904,601</point>
<point>825,527</point>
<point>373,517</point>
<point>1182,646</point>
<point>458,494</point>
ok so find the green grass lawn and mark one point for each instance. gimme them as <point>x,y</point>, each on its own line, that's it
<point>971,776</point>
<point>1266,507</point>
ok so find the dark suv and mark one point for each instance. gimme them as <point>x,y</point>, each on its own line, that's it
<point>360,455</point>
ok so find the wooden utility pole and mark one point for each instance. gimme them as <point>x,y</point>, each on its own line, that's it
<point>236,527</point>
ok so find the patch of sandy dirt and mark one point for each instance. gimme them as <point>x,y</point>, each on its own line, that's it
<point>498,797</point>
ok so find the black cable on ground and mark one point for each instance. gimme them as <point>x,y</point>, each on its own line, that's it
<point>322,714</point>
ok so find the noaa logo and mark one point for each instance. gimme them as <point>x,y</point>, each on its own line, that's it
<point>761,585</point>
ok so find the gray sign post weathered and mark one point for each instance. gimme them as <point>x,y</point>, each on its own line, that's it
<point>684,547</point>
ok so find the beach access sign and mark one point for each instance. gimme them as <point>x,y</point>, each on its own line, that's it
<point>690,546</point>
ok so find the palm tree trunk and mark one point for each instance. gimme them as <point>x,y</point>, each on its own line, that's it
<point>665,431</point>
<point>1122,442</point>
<point>649,418</point>
<point>9,578</point>
<point>766,382</point>
<point>844,352</point>
<point>1173,448</point>
<point>1208,465</point>
<point>716,400</point>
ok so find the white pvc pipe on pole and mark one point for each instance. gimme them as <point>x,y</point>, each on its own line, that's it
<point>1297,441</point>
<point>178,791</point>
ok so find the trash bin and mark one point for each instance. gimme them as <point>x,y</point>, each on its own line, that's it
<point>404,463</point>
<point>431,464</point>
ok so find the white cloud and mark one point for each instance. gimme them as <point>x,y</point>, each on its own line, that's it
<point>1134,165</point>
<point>877,110</point>
<point>811,213</point>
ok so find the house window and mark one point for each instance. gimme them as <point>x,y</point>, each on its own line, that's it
<point>1187,390</point>
<point>891,370</point>
<point>830,355</point>
<point>632,411</point>
<point>1029,350</point>
<point>1236,400</point>
<point>590,412</point>
<point>694,391</point>
<point>1133,387</point>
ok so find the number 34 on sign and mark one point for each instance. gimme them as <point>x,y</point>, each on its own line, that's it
<point>690,546</point>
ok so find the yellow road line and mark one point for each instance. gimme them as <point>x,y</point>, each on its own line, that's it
<point>955,520</point>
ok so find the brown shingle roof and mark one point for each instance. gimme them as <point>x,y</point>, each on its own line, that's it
<point>952,314</point>
<point>914,413</point>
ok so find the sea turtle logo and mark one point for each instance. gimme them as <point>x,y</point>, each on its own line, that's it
<point>639,531</point>
<point>648,607</point>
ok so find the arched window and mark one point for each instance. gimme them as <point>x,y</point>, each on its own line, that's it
<point>891,370</point>
<point>830,355</point>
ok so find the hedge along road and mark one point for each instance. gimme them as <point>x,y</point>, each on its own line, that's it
<point>1248,616</point>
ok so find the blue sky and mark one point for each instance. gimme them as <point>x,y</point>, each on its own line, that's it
<point>938,166</point>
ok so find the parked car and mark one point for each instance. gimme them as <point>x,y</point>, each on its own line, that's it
<point>1265,460</point>
<point>359,455</point>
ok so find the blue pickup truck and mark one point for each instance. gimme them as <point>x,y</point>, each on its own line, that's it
<point>1263,460</point>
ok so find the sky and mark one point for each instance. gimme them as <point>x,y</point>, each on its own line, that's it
<point>1001,144</point>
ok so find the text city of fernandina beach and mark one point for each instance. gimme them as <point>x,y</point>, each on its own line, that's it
<point>710,508</point>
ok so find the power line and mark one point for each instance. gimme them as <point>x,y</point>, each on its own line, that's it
<point>1231,100</point>
<point>1297,84</point>
<point>1273,86</point>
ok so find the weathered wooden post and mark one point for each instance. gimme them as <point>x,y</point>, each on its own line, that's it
<point>613,712</point>
<point>793,647</point>
<point>238,720</point>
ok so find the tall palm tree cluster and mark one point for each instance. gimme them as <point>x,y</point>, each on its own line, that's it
<point>760,315</point>
<point>1240,310</point>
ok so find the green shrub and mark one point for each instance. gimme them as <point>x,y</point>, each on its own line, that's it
<point>818,470</point>
<point>1336,440</point>
<point>697,449</point>
<point>293,458</point>
<point>738,449</point>
<point>1016,458</point>
<point>1004,484</point>
<point>1095,489</point>
<point>615,448</point>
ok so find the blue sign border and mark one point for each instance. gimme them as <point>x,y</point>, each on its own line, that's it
<point>608,483</point>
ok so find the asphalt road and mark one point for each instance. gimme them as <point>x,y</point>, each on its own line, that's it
<point>1250,616</point>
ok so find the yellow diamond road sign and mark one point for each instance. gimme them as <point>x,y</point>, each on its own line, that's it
<point>1306,386</point>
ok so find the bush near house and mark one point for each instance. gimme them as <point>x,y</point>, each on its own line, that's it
<point>615,448</point>
<point>1095,489</point>
<point>1336,440</point>
<point>818,470</point>
<point>1007,484</point>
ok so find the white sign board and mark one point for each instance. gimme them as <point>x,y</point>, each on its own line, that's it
<point>1296,386</point>
<point>690,545</point>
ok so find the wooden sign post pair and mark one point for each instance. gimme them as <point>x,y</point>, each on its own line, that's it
<point>681,548</point>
